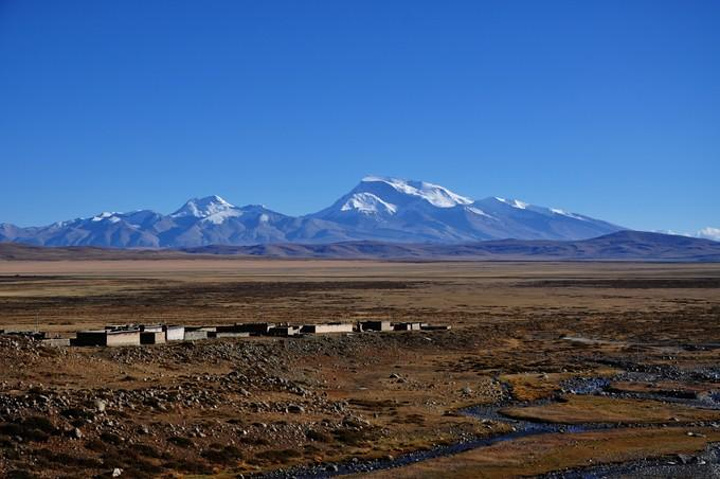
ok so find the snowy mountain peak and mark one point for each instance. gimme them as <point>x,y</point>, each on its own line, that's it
<point>521,205</point>
<point>436,195</point>
<point>106,216</point>
<point>203,207</point>
<point>368,203</point>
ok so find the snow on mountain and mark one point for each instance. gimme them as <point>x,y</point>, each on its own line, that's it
<point>106,216</point>
<point>211,209</point>
<point>478,211</point>
<point>521,205</point>
<point>377,209</point>
<point>368,203</point>
<point>203,207</point>
<point>704,233</point>
<point>709,233</point>
<point>388,200</point>
<point>436,195</point>
<point>558,211</point>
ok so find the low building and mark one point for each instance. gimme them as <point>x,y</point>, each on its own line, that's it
<point>284,330</point>
<point>207,329</point>
<point>194,334</point>
<point>411,326</point>
<point>174,333</point>
<point>104,337</point>
<point>228,334</point>
<point>151,328</point>
<point>435,327</point>
<point>123,327</point>
<point>252,328</point>
<point>123,338</point>
<point>327,328</point>
<point>152,337</point>
<point>376,325</point>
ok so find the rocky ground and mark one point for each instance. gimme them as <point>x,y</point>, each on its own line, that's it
<point>201,408</point>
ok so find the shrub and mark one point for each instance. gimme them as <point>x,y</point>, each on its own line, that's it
<point>351,437</point>
<point>110,438</point>
<point>254,441</point>
<point>222,454</point>
<point>180,441</point>
<point>49,457</point>
<point>146,450</point>
<point>27,433</point>
<point>319,436</point>
<point>41,423</point>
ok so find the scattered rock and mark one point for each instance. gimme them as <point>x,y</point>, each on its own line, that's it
<point>100,405</point>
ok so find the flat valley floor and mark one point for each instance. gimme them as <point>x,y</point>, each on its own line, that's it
<point>550,369</point>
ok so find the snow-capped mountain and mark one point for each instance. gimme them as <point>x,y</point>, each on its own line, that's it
<point>414,211</point>
<point>378,208</point>
<point>212,208</point>
<point>384,197</point>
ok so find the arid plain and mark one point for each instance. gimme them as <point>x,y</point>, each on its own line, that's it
<point>549,369</point>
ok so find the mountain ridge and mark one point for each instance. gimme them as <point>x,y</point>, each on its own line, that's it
<point>378,208</point>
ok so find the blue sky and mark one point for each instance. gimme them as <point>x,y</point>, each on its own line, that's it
<point>608,108</point>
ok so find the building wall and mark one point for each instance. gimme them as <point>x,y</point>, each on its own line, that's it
<point>195,335</point>
<point>328,328</point>
<point>283,331</point>
<point>376,326</point>
<point>221,334</point>
<point>174,333</point>
<point>90,338</point>
<point>125,338</point>
<point>252,328</point>
<point>152,337</point>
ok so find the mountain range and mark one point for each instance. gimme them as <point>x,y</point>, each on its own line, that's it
<point>378,209</point>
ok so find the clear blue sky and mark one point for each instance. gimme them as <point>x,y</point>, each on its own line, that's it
<point>608,108</point>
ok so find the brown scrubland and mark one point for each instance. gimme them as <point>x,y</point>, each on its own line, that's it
<point>557,366</point>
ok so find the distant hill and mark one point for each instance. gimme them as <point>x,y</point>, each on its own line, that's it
<point>377,209</point>
<point>620,246</point>
<point>22,252</point>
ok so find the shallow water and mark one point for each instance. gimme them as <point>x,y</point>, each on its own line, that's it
<point>521,428</point>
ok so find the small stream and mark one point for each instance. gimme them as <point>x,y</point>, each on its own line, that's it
<point>520,429</point>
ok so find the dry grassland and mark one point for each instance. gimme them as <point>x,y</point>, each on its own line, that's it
<point>526,338</point>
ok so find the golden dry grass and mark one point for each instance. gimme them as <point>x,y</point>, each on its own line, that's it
<point>538,455</point>
<point>599,409</point>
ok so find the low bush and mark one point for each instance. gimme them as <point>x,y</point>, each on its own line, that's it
<point>146,450</point>
<point>222,454</point>
<point>319,436</point>
<point>110,438</point>
<point>47,457</point>
<point>180,441</point>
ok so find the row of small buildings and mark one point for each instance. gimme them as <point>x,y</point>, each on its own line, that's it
<point>136,335</point>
